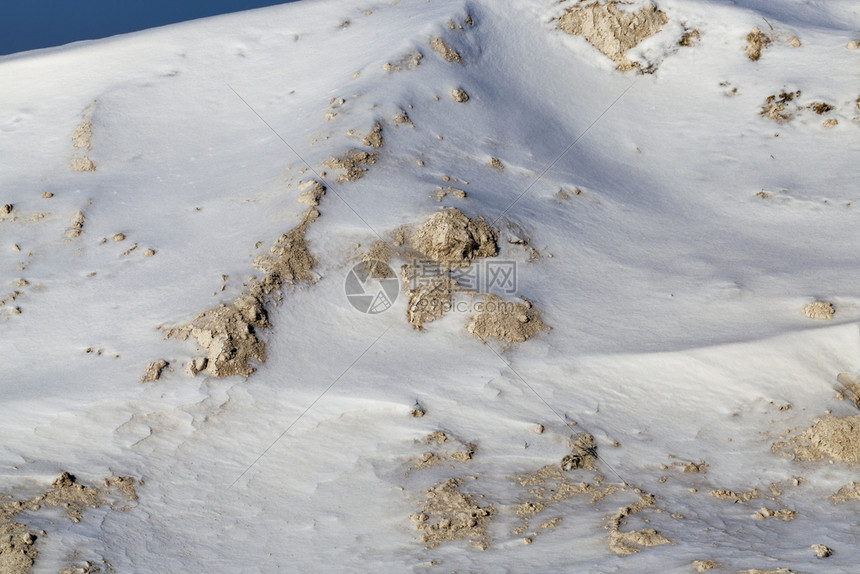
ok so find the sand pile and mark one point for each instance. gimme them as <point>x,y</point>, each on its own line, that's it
<point>82,141</point>
<point>352,163</point>
<point>613,27</point>
<point>449,514</point>
<point>445,449</point>
<point>819,310</point>
<point>429,297</point>
<point>313,195</point>
<point>704,565</point>
<point>153,371</point>
<point>850,491</point>
<point>821,551</point>
<point>453,240</point>
<point>633,541</point>
<point>228,333</point>
<point>776,107</point>
<point>583,455</point>
<point>376,260</point>
<point>736,497</point>
<point>756,42</point>
<point>17,544</point>
<point>829,438</point>
<point>446,51</point>
<point>443,192</point>
<point>460,96</point>
<point>77,226</point>
<point>509,321</point>
<point>374,138</point>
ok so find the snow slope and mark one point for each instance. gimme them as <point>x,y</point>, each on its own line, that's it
<point>673,283</point>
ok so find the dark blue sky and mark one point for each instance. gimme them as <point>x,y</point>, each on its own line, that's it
<point>31,24</point>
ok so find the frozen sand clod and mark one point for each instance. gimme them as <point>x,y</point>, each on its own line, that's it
<point>374,138</point>
<point>153,371</point>
<point>819,310</point>
<point>460,95</point>
<point>451,238</point>
<point>509,321</point>
<point>449,514</point>
<point>756,42</point>
<point>446,51</point>
<point>612,28</point>
<point>229,333</point>
<point>429,299</point>
<point>828,438</point>
<point>352,162</point>
<point>77,225</point>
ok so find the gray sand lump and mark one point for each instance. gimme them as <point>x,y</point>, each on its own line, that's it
<point>613,30</point>
<point>451,238</point>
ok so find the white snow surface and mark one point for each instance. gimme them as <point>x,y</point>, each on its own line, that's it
<point>673,291</point>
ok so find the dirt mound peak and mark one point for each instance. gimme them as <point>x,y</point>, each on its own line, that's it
<point>613,27</point>
<point>451,238</point>
<point>829,437</point>
<point>509,321</point>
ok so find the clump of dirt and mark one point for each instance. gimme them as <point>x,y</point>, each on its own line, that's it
<point>704,565</point>
<point>853,44</point>
<point>829,437</point>
<point>821,551</point>
<point>6,209</point>
<point>831,123</point>
<point>229,333</point>
<point>17,544</point>
<point>429,297</point>
<point>509,321</point>
<point>496,163</point>
<point>17,549</point>
<point>410,61</point>
<point>374,138</point>
<point>313,195</point>
<point>819,310</point>
<point>447,52</point>
<point>452,239</point>
<point>153,371</point>
<point>689,38</point>
<point>848,385</point>
<point>737,498</point>
<point>77,225</point>
<point>449,514</point>
<point>82,141</point>
<point>784,514</point>
<point>633,541</point>
<point>850,491</point>
<point>820,107</point>
<point>352,162</point>
<point>695,468</point>
<point>403,118</point>
<point>376,260</point>
<point>459,95</point>
<point>447,449</point>
<point>756,42</point>
<point>613,30</point>
<point>443,192</point>
<point>583,454</point>
<point>776,106</point>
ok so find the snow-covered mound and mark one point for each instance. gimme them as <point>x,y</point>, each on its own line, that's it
<point>458,286</point>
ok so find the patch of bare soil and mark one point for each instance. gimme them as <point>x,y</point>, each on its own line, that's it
<point>704,565</point>
<point>736,497</point>
<point>819,310</point>
<point>509,321</point>
<point>77,226</point>
<point>446,51</point>
<point>756,42</point>
<point>452,239</point>
<point>429,297</point>
<point>82,141</point>
<point>18,550</point>
<point>583,454</point>
<point>850,491</point>
<point>624,543</point>
<point>153,371</point>
<point>374,138</point>
<point>352,162</point>
<point>228,334</point>
<point>443,192</point>
<point>313,195</point>
<point>784,514</point>
<point>410,61</point>
<point>449,514</point>
<point>829,438</point>
<point>611,29</point>
<point>496,163</point>
<point>820,108</point>
<point>821,551</point>
<point>459,95</point>
<point>777,107</point>
<point>376,260</point>
<point>403,118</point>
<point>445,450</point>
